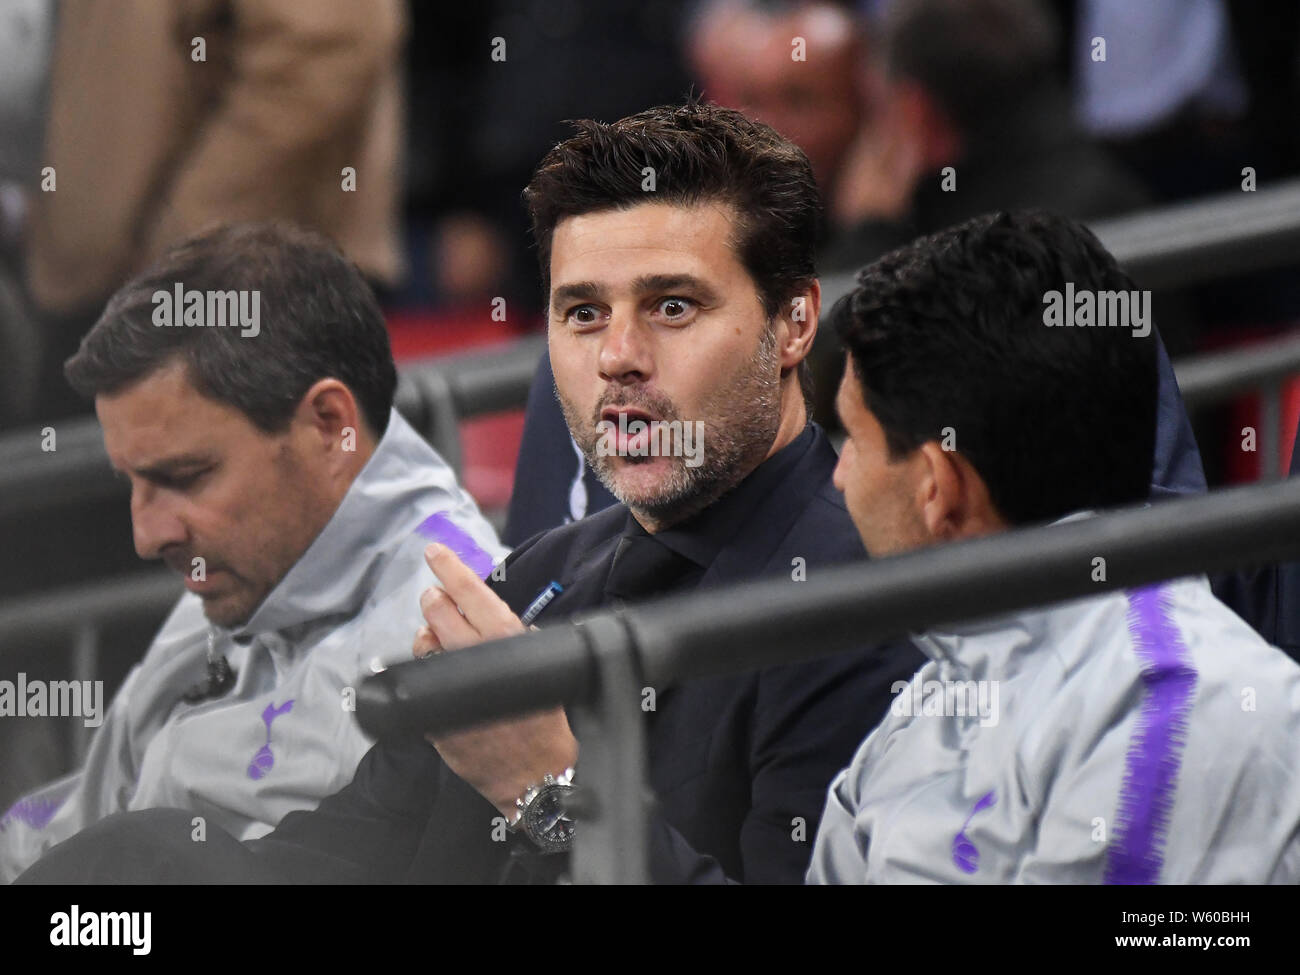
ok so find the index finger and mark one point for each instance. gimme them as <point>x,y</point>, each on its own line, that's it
<point>483,609</point>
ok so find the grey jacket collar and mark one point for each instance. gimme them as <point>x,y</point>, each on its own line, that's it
<point>995,645</point>
<point>333,577</point>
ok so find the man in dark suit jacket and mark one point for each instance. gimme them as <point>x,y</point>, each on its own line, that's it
<point>738,764</point>
<point>1267,596</point>
<point>680,318</point>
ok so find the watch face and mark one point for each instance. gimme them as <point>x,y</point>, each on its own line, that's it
<point>545,820</point>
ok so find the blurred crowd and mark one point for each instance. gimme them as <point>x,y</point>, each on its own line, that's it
<point>406,131</point>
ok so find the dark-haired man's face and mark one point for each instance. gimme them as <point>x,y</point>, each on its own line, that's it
<point>208,484</point>
<point>928,496</point>
<point>653,316</point>
<point>884,496</point>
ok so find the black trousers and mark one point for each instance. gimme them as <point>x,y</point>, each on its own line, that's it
<point>152,846</point>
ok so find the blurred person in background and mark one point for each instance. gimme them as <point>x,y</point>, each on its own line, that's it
<point>804,68</point>
<point>883,105</point>
<point>25,30</point>
<point>973,85</point>
<point>269,469</point>
<point>973,119</point>
<point>1201,98</point>
<point>165,118</point>
<point>29,751</point>
<point>1189,91</point>
<point>491,107</point>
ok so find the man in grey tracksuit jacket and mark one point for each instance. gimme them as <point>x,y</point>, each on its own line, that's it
<point>284,736</point>
<point>1132,737</point>
<point>1141,736</point>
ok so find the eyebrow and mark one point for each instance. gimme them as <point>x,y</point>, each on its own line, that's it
<point>673,282</point>
<point>643,285</point>
<point>170,466</point>
<point>578,291</point>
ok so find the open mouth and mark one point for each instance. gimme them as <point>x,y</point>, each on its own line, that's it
<point>612,413</point>
<point>628,430</point>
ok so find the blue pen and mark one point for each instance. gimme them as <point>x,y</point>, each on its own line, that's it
<point>543,600</point>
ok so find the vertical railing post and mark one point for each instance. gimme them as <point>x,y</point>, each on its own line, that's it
<point>85,669</point>
<point>1270,427</point>
<point>442,422</point>
<point>611,805</point>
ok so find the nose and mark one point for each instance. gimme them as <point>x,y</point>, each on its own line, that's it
<point>625,353</point>
<point>154,522</point>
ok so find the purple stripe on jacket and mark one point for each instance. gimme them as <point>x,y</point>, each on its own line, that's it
<point>440,528</point>
<point>1136,853</point>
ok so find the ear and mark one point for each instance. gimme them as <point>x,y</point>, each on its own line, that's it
<point>954,501</point>
<point>329,416</point>
<point>797,325</point>
<point>939,492</point>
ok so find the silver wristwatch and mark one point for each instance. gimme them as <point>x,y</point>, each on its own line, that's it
<point>541,814</point>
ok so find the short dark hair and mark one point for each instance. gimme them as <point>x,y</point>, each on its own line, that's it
<point>699,153</point>
<point>975,57</point>
<point>949,331</point>
<point>318,319</point>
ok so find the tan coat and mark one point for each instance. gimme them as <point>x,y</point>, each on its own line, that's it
<point>150,145</point>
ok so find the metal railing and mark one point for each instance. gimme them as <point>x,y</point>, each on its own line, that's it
<point>1197,241</point>
<point>1170,246</point>
<point>1190,243</point>
<point>433,394</point>
<point>599,665</point>
<point>1212,378</point>
<point>77,616</point>
<point>436,394</point>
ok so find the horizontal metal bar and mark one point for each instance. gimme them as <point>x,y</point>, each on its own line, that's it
<point>64,612</point>
<point>1189,243</point>
<point>1217,376</point>
<point>778,621</point>
<point>77,471</point>
<point>550,666</point>
<point>490,380</point>
<point>32,479</point>
<point>1207,239</point>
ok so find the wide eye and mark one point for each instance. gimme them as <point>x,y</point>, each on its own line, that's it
<point>675,309</point>
<point>583,316</point>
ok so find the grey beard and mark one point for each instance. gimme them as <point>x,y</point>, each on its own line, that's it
<point>752,404</point>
